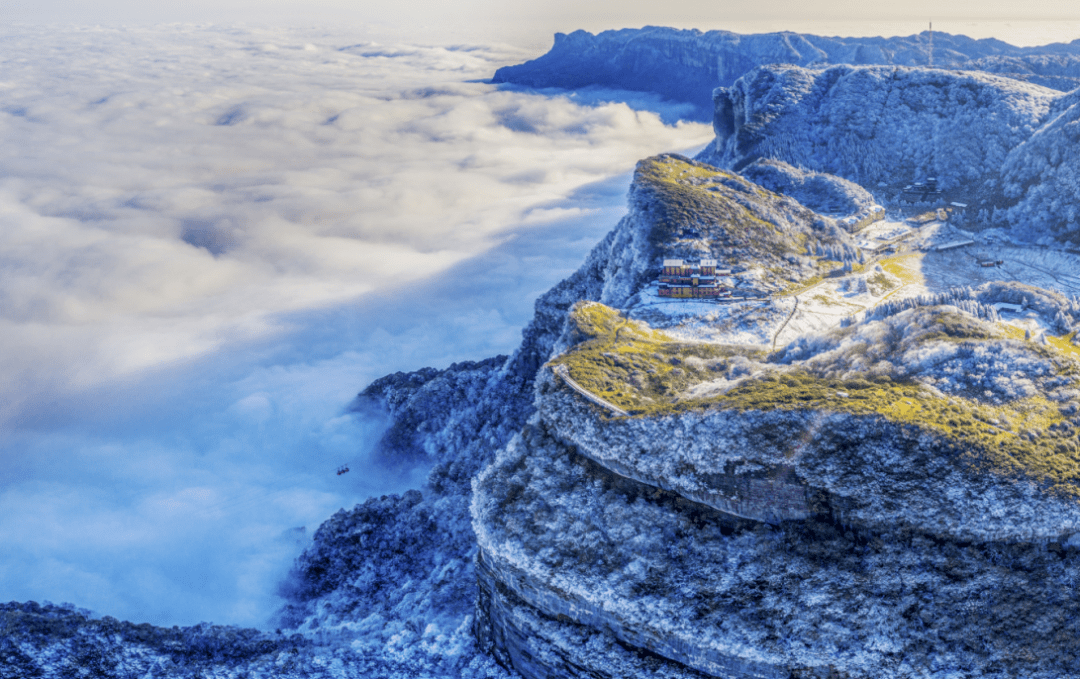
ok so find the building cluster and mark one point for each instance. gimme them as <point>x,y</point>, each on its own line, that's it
<point>685,280</point>
<point>863,219</point>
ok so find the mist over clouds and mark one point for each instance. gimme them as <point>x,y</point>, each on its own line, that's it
<point>211,239</point>
<point>163,192</point>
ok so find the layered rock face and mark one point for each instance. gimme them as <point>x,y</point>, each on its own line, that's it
<point>568,543</point>
<point>791,526</point>
<point>685,65</point>
<point>897,497</point>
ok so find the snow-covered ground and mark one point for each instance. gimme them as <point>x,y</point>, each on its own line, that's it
<point>883,232</point>
<point>919,269</point>
<point>729,320</point>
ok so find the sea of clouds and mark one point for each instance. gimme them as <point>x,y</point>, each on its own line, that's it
<point>212,238</point>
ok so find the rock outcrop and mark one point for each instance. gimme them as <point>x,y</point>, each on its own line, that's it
<point>898,497</point>
<point>567,542</point>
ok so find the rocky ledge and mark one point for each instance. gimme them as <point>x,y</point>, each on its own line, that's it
<point>565,542</point>
<point>894,494</point>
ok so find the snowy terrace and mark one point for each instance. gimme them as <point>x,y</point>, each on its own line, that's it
<point>917,273</point>
<point>883,233</point>
<point>918,269</point>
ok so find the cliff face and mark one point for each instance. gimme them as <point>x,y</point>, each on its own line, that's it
<point>789,523</point>
<point>894,498</point>
<point>685,65</point>
<point>577,546</point>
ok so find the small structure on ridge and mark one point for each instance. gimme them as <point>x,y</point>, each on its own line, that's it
<point>685,280</point>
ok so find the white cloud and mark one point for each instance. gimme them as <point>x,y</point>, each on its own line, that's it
<point>187,184</point>
<point>210,240</point>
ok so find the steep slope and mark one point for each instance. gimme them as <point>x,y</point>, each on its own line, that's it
<point>896,498</point>
<point>394,576</point>
<point>823,193</point>
<point>680,208</point>
<point>1005,148</point>
<point>696,211</point>
<point>1041,178</point>
<point>876,125</point>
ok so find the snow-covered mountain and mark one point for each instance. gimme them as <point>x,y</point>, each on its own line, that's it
<point>1005,148</point>
<point>886,498</point>
<point>864,463</point>
<point>879,124</point>
<point>993,123</point>
<point>893,498</point>
<point>685,65</point>
<point>1040,178</point>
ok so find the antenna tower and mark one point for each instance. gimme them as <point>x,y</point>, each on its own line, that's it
<point>931,44</point>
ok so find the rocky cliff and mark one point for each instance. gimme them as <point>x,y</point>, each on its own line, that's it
<point>895,497</point>
<point>879,124</point>
<point>893,493</point>
<point>578,546</point>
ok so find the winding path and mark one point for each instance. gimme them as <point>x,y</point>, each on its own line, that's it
<point>788,320</point>
<point>564,373</point>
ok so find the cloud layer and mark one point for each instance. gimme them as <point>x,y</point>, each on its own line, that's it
<point>210,239</point>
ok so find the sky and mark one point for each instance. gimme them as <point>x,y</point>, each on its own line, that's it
<point>220,221</point>
<point>532,24</point>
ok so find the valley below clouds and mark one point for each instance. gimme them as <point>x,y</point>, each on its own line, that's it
<point>211,239</point>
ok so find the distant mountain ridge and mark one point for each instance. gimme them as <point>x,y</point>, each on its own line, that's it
<point>685,65</point>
